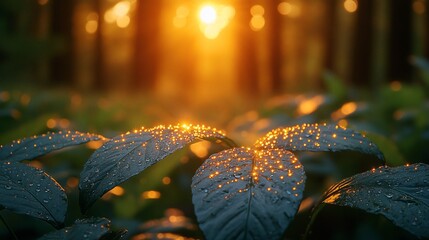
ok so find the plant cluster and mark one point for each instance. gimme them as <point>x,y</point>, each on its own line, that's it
<point>237,193</point>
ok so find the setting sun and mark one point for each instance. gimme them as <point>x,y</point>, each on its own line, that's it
<point>214,18</point>
<point>208,14</point>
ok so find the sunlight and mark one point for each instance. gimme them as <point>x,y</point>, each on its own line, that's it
<point>119,13</point>
<point>208,14</point>
<point>289,8</point>
<point>350,6</point>
<point>180,19</point>
<point>150,194</point>
<point>121,8</point>
<point>258,21</point>
<point>200,149</point>
<point>117,191</point>
<point>310,105</point>
<point>214,18</point>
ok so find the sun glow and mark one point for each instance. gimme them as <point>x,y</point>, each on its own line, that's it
<point>214,18</point>
<point>208,14</point>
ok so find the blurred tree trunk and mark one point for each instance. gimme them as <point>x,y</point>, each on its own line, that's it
<point>247,73</point>
<point>62,65</point>
<point>343,42</point>
<point>380,43</point>
<point>420,32</point>
<point>43,24</point>
<point>400,40</point>
<point>291,48</point>
<point>147,44</point>
<point>273,27</point>
<point>99,73</point>
<point>315,46</point>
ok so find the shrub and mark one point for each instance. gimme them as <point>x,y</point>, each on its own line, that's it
<point>238,192</point>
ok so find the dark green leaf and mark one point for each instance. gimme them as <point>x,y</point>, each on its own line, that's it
<point>30,148</point>
<point>30,191</point>
<point>129,154</point>
<point>247,194</point>
<point>115,235</point>
<point>401,194</point>
<point>318,137</point>
<point>93,228</point>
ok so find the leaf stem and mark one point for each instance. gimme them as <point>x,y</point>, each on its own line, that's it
<point>8,227</point>
<point>313,216</point>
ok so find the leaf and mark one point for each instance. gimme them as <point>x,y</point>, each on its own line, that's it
<point>316,138</point>
<point>129,154</point>
<point>92,228</point>
<point>401,194</point>
<point>30,191</point>
<point>247,194</point>
<point>30,148</point>
<point>115,235</point>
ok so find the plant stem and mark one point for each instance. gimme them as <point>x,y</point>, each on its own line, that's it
<point>316,211</point>
<point>8,227</point>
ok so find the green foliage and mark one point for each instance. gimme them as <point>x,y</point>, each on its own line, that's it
<point>127,155</point>
<point>30,191</point>
<point>91,229</point>
<point>247,194</point>
<point>238,193</point>
<point>401,194</point>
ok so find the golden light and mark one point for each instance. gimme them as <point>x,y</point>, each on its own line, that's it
<point>208,14</point>
<point>25,99</point>
<point>180,19</point>
<point>117,191</point>
<point>91,26</point>
<point>119,14</point>
<point>36,164</point>
<point>72,182</point>
<point>200,149</point>
<point>350,6</point>
<point>51,123</point>
<point>257,22</point>
<point>122,8</point>
<point>4,96</point>
<point>42,2</point>
<point>166,180</point>
<point>257,10</point>
<point>284,8</point>
<point>94,144</point>
<point>214,18</point>
<point>64,123</point>
<point>395,86</point>
<point>150,195</point>
<point>109,16</point>
<point>123,21</point>
<point>310,105</point>
<point>289,8</point>
<point>343,123</point>
<point>182,11</point>
<point>419,6</point>
<point>348,108</point>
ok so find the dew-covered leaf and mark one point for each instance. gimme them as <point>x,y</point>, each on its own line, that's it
<point>30,148</point>
<point>30,191</point>
<point>129,154</point>
<point>247,194</point>
<point>92,228</point>
<point>318,137</point>
<point>401,194</point>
